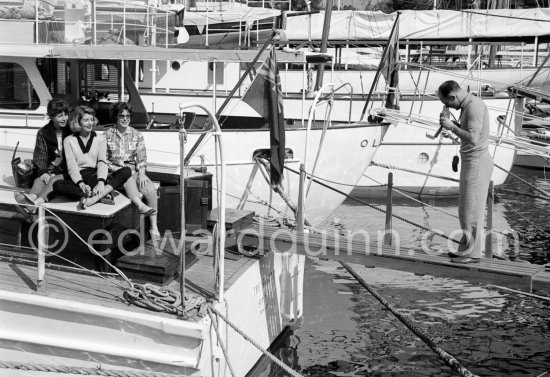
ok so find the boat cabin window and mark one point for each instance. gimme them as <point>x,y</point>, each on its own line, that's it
<point>16,90</point>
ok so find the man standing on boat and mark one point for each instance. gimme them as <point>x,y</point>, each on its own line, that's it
<point>476,169</point>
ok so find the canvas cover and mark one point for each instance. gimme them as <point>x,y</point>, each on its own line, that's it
<point>424,25</point>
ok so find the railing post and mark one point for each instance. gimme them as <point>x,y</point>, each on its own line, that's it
<point>124,23</point>
<point>41,251</point>
<point>300,210</point>
<point>489,235</point>
<point>389,204</point>
<point>36,34</point>
<point>94,23</point>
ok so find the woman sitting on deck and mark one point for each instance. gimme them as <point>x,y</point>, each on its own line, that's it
<point>126,149</point>
<point>48,154</point>
<point>86,156</point>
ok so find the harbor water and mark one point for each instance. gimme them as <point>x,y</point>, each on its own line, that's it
<point>492,332</point>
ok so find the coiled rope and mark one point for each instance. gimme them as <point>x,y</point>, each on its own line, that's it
<point>148,296</point>
<point>376,207</point>
<point>165,299</point>
<point>286,368</point>
<point>449,359</point>
<point>81,370</point>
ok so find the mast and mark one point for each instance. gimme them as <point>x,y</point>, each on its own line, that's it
<point>324,39</point>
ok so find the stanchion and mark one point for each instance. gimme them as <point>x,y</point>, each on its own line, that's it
<point>300,210</point>
<point>389,205</point>
<point>489,236</point>
<point>41,250</point>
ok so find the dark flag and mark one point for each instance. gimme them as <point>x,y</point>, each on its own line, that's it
<point>390,68</point>
<point>265,97</point>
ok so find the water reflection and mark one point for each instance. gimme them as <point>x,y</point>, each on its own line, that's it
<point>346,332</point>
<point>490,332</point>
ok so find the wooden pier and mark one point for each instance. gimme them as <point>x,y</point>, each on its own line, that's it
<point>517,275</point>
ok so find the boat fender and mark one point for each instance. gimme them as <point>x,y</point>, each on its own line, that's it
<point>456,160</point>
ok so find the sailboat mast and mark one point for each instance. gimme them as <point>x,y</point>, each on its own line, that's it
<point>324,40</point>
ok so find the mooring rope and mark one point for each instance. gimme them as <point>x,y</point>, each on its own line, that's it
<point>545,298</point>
<point>222,345</point>
<point>65,369</point>
<point>164,299</point>
<point>393,167</point>
<point>514,192</point>
<point>449,359</point>
<point>522,216</point>
<point>286,368</point>
<point>376,207</point>
<point>547,195</point>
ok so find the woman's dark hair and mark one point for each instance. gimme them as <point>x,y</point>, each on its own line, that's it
<point>447,87</point>
<point>57,106</point>
<point>118,108</point>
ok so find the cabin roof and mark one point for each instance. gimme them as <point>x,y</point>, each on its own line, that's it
<point>118,52</point>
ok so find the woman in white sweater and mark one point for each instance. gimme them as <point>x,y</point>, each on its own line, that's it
<point>86,156</point>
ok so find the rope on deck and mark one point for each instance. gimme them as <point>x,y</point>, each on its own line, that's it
<point>449,359</point>
<point>285,367</point>
<point>375,207</point>
<point>81,370</point>
<point>164,299</point>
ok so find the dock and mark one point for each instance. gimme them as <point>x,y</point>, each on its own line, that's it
<point>510,274</point>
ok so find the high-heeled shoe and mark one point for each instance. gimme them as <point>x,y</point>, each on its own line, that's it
<point>108,199</point>
<point>27,202</point>
<point>147,211</point>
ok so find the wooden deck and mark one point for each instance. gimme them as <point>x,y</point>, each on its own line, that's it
<point>518,275</point>
<point>106,291</point>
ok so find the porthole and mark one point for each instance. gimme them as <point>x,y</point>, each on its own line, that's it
<point>176,65</point>
<point>423,158</point>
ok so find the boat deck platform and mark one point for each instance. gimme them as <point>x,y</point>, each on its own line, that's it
<point>107,289</point>
<point>520,275</point>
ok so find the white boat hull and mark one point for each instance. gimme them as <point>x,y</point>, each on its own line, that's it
<point>534,161</point>
<point>47,329</point>
<point>405,145</point>
<point>340,163</point>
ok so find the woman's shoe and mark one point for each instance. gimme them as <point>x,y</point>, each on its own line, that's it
<point>155,235</point>
<point>27,203</point>
<point>81,204</point>
<point>108,199</point>
<point>147,211</point>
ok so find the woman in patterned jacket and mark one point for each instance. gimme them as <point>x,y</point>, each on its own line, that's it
<point>126,148</point>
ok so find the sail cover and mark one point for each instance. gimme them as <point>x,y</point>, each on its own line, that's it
<point>424,25</point>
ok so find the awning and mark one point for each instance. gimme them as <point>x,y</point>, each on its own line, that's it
<point>423,25</point>
<point>119,52</point>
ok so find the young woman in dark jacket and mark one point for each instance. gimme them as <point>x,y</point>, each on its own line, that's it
<point>48,154</point>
